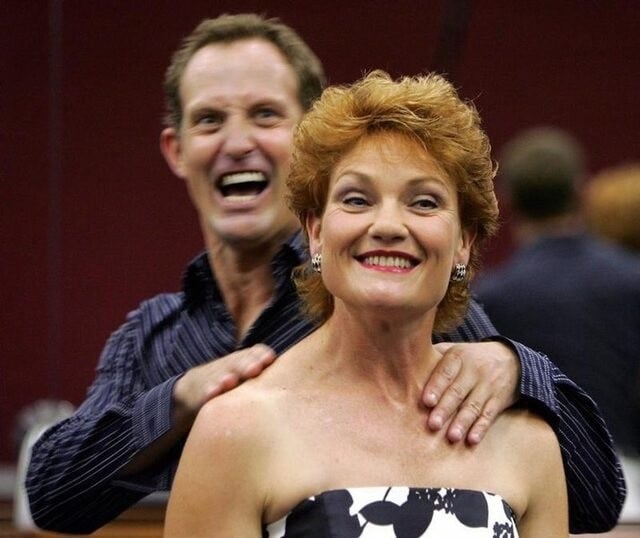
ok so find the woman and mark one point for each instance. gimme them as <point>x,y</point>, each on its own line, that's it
<point>393,182</point>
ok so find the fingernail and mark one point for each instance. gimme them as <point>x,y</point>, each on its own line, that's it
<point>431,399</point>
<point>474,438</point>
<point>455,435</point>
<point>436,421</point>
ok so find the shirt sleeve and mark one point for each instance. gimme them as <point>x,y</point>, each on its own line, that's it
<point>71,480</point>
<point>475,327</point>
<point>595,482</point>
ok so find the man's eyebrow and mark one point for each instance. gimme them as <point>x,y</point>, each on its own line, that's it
<point>202,108</point>
<point>269,101</point>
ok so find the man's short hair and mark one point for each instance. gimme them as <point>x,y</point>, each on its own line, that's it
<point>230,28</point>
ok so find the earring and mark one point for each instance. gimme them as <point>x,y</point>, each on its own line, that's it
<point>316,262</point>
<point>459,272</point>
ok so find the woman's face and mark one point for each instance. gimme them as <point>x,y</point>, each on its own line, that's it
<point>390,233</point>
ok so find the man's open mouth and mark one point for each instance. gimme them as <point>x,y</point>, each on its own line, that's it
<point>243,185</point>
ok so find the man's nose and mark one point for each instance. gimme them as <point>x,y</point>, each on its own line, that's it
<point>239,139</point>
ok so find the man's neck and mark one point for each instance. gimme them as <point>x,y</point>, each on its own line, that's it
<point>245,279</point>
<point>527,231</point>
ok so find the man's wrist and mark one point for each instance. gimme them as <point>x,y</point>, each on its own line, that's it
<point>512,350</point>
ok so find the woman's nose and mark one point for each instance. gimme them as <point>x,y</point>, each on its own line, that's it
<point>387,224</point>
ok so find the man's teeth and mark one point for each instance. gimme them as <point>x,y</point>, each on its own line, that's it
<point>242,186</point>
<point>242,177</point>
<point>388,261</point>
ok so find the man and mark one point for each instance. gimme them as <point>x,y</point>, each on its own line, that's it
<point>235,92</point>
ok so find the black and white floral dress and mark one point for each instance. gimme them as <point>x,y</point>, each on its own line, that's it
<point>398,512</point>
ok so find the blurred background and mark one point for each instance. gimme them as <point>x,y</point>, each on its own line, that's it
<point>92,219</point>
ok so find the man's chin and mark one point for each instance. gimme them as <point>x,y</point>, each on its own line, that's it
<point>247,232</point>
<point>245,236</point>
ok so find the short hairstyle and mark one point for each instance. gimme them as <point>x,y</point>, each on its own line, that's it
<point>424,108</point>
<point>231,28</point>
<point>542,168</point>
<point>612,205</point>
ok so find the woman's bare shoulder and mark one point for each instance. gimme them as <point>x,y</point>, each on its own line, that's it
<point>244,413</point>
<point>230,443</point>
<point>537,464</point>
<point>530,425</point>
<point>531,438</point>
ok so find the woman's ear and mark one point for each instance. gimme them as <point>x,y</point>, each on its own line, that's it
<point>467,237</point>
<point>312,224</point>
<point>172,150</point>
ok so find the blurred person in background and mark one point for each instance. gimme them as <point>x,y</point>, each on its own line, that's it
<point>612,205</point>
<point>564,291</point>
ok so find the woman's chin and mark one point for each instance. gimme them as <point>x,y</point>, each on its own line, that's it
<point>394,308</point>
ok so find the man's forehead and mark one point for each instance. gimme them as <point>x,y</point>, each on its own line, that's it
<point>254,54</point>
<point>246,66</point>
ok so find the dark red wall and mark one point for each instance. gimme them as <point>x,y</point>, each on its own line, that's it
<point>93,222</point>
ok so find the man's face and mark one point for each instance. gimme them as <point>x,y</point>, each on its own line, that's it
<point>240,107</point>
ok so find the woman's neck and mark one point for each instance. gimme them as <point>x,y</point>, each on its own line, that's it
<point>392,355</point>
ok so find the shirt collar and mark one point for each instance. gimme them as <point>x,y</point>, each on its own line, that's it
<point>298,246</point>
<point>198,281</point>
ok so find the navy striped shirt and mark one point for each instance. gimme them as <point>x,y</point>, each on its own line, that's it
<point>71,479</point>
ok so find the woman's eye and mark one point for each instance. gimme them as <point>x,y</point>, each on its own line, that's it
<point>355,201</point>
<point>425,203</point>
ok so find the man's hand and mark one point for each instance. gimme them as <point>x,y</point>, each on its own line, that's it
<point>473,383</point>
<point>198,385</point>
<point>195,388</point>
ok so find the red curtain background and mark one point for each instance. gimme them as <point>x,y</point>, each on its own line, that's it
<point>93,221</point>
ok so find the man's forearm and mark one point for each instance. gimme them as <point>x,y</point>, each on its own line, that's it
<point>594,478</point>
<point>81,459</point>
<point>71,475</point>
<point>82,511</point>
<point>157,452</point>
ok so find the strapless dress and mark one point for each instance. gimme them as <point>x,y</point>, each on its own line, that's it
<point>398,512</point>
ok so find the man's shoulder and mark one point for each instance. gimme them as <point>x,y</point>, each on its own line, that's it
<point>167,300</point>
<point>159,307</point>
<point>616,257</point>
<point>487,283</point>
<point>492,281</point>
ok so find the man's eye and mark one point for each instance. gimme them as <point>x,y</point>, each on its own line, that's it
<point>209,119</point>
<point>266,115</point>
